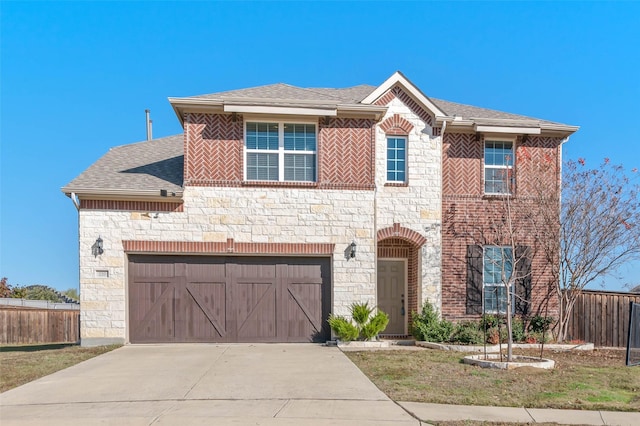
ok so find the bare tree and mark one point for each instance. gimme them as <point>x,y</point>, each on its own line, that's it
<point>599,229</point>
<point>501,245</point>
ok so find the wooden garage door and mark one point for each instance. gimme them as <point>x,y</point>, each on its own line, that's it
<point>228,299</point>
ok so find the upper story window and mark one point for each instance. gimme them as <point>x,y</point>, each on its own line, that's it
<point>280,152</point>
<point>498,267</point>
<point>396,159</point>
<point>498,167</point>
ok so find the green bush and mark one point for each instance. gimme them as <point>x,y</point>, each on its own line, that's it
<point>375,326</point>
<point>468,332</point>
<point>360,312</point>
<point>489,321</point>
<point>540,324</point>
<point>429,327</point>
<point>343,328</point>
<point>517,330</point>
<point>366,326</point>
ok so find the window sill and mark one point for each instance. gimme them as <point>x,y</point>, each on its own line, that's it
<point>497,196</point>
<point>276,184</point>
<point>396,184</point>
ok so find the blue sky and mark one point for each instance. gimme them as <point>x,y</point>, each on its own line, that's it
<point>76,78</point>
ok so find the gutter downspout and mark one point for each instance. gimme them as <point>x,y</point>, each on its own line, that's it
<point>560,161</point>
<point>75,200</point>
<point>444,127</point>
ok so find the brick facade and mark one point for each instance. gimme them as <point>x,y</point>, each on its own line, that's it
<point>214,153</point>
<point>470,217</point>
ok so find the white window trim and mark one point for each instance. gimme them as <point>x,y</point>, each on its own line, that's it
<point>280,151</point>
<point>485,166</point>
<point>485,285</point>
<point>386,158</point>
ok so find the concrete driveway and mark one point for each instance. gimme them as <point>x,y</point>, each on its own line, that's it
<point>189,384</point>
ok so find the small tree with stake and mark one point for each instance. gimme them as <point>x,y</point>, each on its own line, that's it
<point>501,251</point>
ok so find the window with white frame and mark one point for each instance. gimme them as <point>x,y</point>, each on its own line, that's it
<point>396,159</point>
<point>498,167</point>
<point>497,269</point>
<point>284,152</point>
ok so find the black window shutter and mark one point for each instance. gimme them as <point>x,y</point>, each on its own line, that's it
<point>474,279</point>
<point>523,280</point>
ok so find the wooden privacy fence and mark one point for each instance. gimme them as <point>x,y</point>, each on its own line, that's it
<point>601,318</point>
<point>20,326</point>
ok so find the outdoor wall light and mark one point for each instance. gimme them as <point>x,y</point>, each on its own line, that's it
<point>352,253</point>
<point>97,248</point>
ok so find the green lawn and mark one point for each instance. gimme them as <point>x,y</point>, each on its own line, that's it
<point>22,364</point>
<point>596,380</point>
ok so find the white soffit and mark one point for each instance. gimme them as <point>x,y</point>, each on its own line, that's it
<point>398,78</point>
<point>506,129</point>
<point>263,109</point>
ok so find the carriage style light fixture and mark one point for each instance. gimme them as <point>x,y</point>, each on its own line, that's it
<point>352,253</point>
<point>97,248</point>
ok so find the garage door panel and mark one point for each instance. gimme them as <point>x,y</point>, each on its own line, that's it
<point>303,312</point>
<point>255,310</point>
<point>153,319</point>
<point>228,299</point>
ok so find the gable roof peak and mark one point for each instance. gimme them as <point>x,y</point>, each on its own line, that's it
<point>397,78</point>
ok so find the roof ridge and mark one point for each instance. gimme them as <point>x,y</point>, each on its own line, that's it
<point>145,141</point>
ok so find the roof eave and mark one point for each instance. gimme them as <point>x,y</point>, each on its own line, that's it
<point>511,126</point>
<point>123,194</point>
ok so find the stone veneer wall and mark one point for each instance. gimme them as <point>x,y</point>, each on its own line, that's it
<point>343,207</point>
<point>267,215</point>
<point>417,204</point>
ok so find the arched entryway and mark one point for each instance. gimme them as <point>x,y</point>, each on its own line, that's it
<point>398,268</point>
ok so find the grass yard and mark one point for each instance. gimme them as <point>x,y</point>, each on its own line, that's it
<point>22,364</point>
<point>587,380</point>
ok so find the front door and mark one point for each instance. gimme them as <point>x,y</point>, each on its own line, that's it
<point>392,281</point>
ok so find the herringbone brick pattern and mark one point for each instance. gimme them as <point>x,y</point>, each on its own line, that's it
<point>538,165</point>
<point>213,149</point>
<point>462,164</point>
<point>346,153</point>
<point>397,92</point>
<point>396,125</point>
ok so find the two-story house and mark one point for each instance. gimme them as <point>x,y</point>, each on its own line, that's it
<point>279,205</point>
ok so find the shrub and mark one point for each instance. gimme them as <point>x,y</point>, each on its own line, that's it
<point>489,321</point>
<point>366,326</point>
<point>375,325</point>
<point>428,326</point>
<point>517,330</point>
<point>468,332</point>
<point>360,312</point>
<point>540,324</point>
<point>343,328</point>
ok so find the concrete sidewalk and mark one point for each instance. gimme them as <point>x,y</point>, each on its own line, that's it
<point>428,413</point>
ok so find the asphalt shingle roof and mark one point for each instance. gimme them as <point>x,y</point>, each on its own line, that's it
<point>352,95</point>
<point>158,164</point>
<point>279,91</point>
<point>143,166</point>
